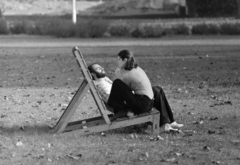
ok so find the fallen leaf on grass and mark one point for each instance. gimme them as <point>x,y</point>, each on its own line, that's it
<point>227,102</point>
<point>216,162</point>
<point>26,154</point>
<point>190,113</point>
<point>39,102</point>
<point>213,118</point>
<point>173,160</point>
<point>213,97</point>
<point>146,154</point>
<point>221,132</point>
<point>103,134</point>
<point>198,122</point>
<point>35,106</point>
<point>160,138</point>
<point>40,156</point>
<point>170,160</point>
<point>62,109</point>
<point>189,132</point>
<point>75,157</point>
<point>111,162</point>
<point>178,154</point>
<point>3,115</point>
<point>156,138</point>
<point>49,145</point>
<point>206,148</point>
<point>211,131</point>
<point>19,143</point>
<point>236,142</point>
<point>2,146</point>
<point>201,85</point>
<point>134,136</point>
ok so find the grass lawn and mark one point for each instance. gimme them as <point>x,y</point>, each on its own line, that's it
<point>201,82</point>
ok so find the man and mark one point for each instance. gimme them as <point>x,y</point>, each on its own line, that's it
<point>104,86</point>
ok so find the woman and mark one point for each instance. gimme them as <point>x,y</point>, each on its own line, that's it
<point>136,79</point>
<point>132,88</point>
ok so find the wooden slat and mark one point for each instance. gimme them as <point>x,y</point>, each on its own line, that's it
<point>155,123</point>
<point>82,64</point>
<point>71,108</point>
<point>92,128</point>
<point>86,121</point>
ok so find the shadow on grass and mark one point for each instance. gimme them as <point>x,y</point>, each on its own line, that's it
<point>144,128</point>
<point>39,129</point>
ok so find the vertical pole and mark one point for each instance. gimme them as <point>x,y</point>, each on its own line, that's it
<point>74,12</point>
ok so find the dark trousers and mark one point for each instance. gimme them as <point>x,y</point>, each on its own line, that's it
<point>161,104</point>
<point>122,99</point>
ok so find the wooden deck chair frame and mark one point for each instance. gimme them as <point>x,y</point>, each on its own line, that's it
<point>101,123</point>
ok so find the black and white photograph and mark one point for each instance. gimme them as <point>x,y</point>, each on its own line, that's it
<point>120,82</point>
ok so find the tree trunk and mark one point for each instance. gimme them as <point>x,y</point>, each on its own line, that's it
<point>191,8</point>
<point>238,8</point>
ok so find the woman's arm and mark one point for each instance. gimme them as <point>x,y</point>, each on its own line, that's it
<point>118,74</point>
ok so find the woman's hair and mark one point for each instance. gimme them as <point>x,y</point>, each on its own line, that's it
<point>130,64</point>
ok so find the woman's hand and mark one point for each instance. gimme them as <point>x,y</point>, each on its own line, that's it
<point>118,74</point>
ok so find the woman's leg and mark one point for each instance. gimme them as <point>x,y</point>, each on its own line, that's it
<point>121,97</point>
<point>161,104</point>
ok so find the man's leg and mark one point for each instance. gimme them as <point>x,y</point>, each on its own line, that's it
<point>161,104</point>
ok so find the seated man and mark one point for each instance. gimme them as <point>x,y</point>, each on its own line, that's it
<point>104,85</point>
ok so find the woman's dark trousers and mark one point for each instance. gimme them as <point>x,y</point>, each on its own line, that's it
<point>122,99</point>
<point>161,104</point>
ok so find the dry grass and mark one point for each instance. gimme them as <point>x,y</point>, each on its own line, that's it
<point>37,83</point>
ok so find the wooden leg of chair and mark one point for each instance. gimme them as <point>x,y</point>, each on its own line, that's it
<point>156,121</point>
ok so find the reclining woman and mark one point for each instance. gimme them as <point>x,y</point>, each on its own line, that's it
<point>132,90</point>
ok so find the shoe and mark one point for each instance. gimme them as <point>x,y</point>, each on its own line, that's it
<point>176,125</point>
<point>168,128</point>
<point>130,114</point>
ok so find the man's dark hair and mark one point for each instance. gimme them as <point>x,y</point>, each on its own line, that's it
<point>130,64</point>
<point>91,70</point>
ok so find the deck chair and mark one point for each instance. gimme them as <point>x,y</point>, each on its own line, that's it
<point>101,123</point>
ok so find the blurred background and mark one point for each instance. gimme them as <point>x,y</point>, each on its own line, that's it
<point>119,18</point>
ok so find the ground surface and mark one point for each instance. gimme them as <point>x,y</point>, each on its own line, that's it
<point>199,75</point>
